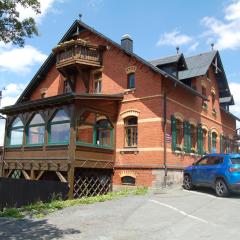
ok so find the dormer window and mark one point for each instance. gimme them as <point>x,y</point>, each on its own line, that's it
<point>131,81</point>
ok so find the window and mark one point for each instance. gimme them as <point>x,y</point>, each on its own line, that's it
<point>214,142</point>
<point>213,100</point>
<point>193,137</point>
<point>204,93</point>
<point>103,132</point>
<point>16,133</point>
<point>179,130</point>
<point>69,85</point>
<point>131,81</point>
<point>59,129</point>
<point>131,132</point>
<point>36,129</point>
<point>128,180</point>
<point>235,161</point>
<point>202,162</point>
<point>94,129</point>
<point>177,133</point>
<point>98,83</point>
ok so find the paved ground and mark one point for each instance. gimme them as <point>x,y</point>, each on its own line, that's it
<point>175,214</point>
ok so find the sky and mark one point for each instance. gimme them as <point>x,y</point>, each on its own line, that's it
<point>156,27</point>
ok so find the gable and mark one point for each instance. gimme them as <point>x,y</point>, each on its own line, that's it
<point>76,28</point>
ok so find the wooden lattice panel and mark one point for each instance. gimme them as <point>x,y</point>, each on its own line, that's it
<point>88,185</point>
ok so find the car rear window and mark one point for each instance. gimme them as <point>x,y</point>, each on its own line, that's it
<point>235,160</point>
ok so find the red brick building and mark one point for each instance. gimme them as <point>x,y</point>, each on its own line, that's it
<point>95,106</point>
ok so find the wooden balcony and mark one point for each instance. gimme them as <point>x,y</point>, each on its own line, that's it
<point>78,53</point>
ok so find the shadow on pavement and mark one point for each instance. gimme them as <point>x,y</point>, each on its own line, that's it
<point>27,229</point>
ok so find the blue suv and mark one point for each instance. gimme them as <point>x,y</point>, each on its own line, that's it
<point>218,171</point>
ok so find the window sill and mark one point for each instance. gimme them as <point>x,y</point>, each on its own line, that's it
<point>128,150</point>
<point>94,146</point>
<point>130,90</point>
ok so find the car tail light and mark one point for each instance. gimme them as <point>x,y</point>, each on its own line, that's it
<point>234,169</point>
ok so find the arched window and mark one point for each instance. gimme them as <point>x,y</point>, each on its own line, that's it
<point>131,132</point>
<point>36,129</point>
<point>59,128</point>
<point>94,130</point>
<point>128,180</point>
<point>214,142</point>
<point>16,133</point>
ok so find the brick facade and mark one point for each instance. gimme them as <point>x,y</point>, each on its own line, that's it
<point>146,100</point>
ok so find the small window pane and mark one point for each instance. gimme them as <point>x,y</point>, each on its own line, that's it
<point>128,180</point>
<point>103,136</point>
<point>60,116</point>
<point>16,136</point>
<point>37,119</point>
<point>17,123</point>
<point>60,133</point>
<point>36,135</point>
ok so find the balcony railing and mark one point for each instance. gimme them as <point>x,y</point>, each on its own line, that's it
<point>78,52</point>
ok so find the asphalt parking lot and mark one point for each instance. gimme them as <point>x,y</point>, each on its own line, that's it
<point>172,214</point>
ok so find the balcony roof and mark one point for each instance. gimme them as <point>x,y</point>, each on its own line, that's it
<point>58,100</point>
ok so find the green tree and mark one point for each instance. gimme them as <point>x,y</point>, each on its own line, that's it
<point>13,29</point>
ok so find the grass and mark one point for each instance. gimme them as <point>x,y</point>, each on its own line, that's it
<point>40,209</point>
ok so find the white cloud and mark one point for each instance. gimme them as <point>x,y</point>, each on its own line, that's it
<point>174,38</point>
<point>9,97</point>
<point>46,6</point>
<point>193,46</point>
<point>20,60</point>
<point>226,33</point>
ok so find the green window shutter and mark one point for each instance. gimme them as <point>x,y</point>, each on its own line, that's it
<point>185,132</point>
<point>187,137</point>
<point>174,132</point>
<point>209,142</point>
<point>200,139</point>
<point>221,143</point>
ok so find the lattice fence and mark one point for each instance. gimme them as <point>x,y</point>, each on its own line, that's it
<point>89,184</point>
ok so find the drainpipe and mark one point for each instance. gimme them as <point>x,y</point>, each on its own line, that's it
<point>165,140</point>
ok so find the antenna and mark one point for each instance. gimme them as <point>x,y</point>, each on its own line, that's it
<point>177,48</point>
<point>212,46</point>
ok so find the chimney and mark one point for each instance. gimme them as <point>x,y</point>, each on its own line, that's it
<point>127,43</point>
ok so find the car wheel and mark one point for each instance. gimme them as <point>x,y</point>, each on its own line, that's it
<point>187,182</point>
<point>221,188</point>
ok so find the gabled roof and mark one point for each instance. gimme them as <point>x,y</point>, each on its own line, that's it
<point>166,60</point>
<point>81,26</point>
<point>197,65</point>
